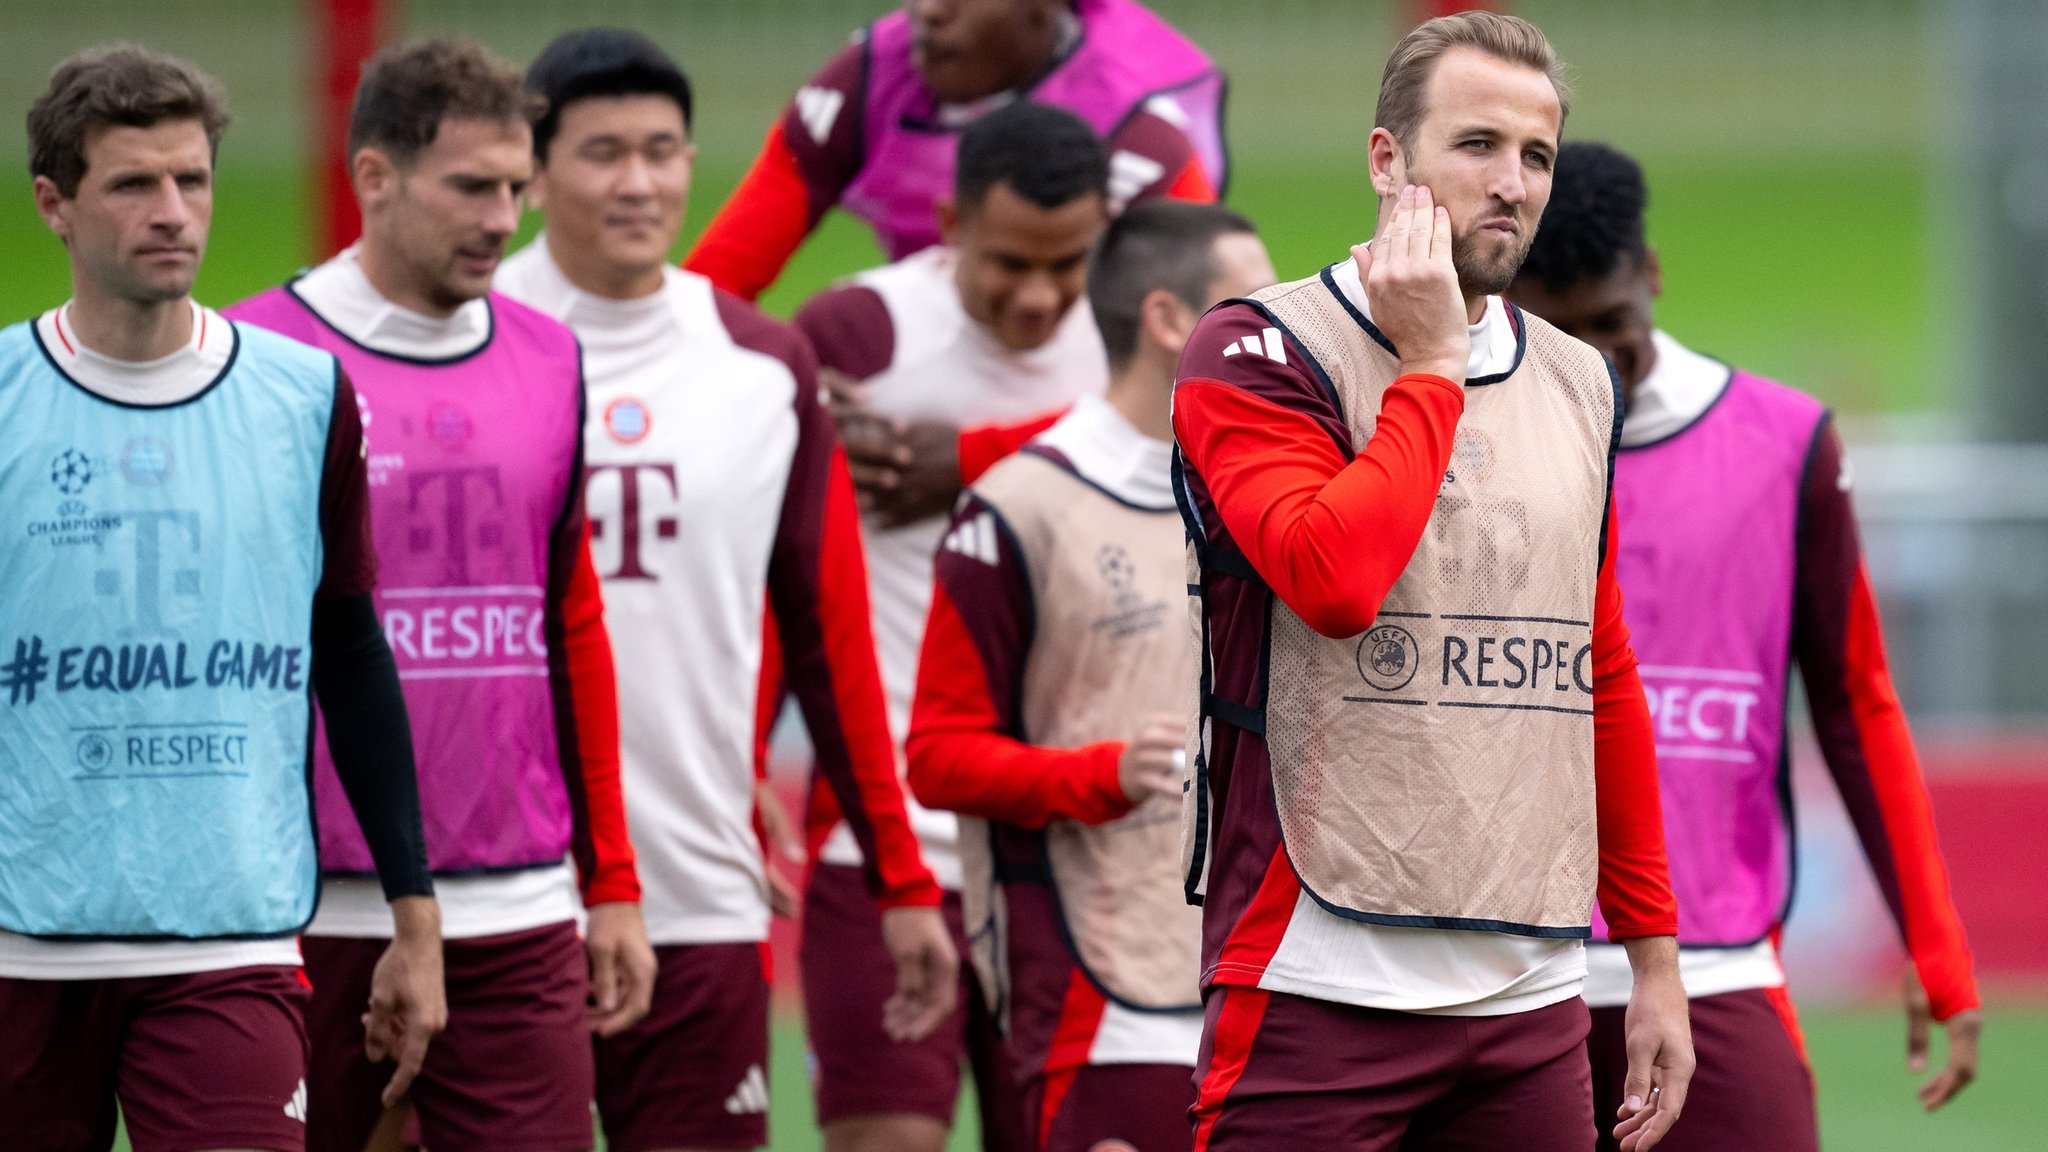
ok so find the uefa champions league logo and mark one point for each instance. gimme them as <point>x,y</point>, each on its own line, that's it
<point>71,471</point>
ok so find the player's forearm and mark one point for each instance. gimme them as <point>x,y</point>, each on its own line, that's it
<point>1634,886</point>
<point>976,772</point>
<point>760,226</point>
<point>1329,537</point>
<point>355,681</point>
<point>586,690</point>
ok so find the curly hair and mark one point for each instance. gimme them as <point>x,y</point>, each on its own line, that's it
<point>1594,219</point>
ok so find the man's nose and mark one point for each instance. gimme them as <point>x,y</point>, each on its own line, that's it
<point>502,217</point>
<point>168,210</point>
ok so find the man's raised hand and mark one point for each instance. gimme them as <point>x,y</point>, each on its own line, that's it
<point>1411,286</point>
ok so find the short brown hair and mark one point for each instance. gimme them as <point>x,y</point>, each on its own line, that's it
<point>409,89</point>
<point>1414,59</point>
<point>119,86</point>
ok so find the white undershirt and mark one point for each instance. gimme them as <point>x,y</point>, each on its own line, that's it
<point>1679,388</point>
<point>1681,385</point>
<point>1109,452</point>
<point>167,380</point>
<point>471,906</point>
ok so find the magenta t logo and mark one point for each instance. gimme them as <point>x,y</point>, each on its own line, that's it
<point>456,485</point>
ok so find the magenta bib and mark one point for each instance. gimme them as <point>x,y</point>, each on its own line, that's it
<point>1127,55</point>
<point>1708,520</point>
<point>470,464</point>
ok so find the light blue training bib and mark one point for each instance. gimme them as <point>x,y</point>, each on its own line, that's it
<point>157,571</point>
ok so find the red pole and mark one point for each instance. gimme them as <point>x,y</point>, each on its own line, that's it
<point>346,33</point>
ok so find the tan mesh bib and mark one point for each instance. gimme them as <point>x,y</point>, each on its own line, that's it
<point>1109,647</point>
<point>1438,769</point>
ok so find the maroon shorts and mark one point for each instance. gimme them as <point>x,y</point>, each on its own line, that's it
<point>1281,1071</point>
<point>694,1073</point>
<point>511,1074</point>
<point>1752,1087</point>
<point>1144,1105</point>
<point>207,1060</point>
<point>847,975</point>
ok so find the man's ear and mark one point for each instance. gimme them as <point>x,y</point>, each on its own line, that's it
<point>949,221</point>
<point>1655,272</point>
<point>1166,320</point>
<point>1385,164</point>
<point>51,205</point>
<point>537,188</point>
<point>375,177</point>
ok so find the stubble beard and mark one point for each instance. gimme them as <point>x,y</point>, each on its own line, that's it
<point>1487,269</point>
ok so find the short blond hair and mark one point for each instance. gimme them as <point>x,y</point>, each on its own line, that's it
<point>1414,59</point>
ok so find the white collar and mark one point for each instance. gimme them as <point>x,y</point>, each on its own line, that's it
<point>1681,385</point>
<point>1493,339</point>
<point>343,296</point>
<point>532,277</point>
<point>1110,453</point>
<point>166,380</point>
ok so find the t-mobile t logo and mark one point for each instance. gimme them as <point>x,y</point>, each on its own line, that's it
<point>456,486</point>
<point>623,519</point>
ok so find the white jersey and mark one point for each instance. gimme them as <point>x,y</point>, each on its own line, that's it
<point>939,364</point>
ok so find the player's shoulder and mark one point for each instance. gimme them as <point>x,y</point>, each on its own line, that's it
<point>850,326</point>
<point>845,71</point>
<point>1241,338</point>
<point>510,316</point>
<point>256,344</point>
<point>751,329</point>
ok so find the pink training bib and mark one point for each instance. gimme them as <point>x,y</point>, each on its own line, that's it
<point>1709,519</point>
<point>1127,56</point>
<point>471,466</point>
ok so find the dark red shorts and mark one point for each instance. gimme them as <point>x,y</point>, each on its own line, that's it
<point>207,1060</point>
<point>694,1073</point>
<point>511,1074</point>
<point>1144,1105</point>
<point>1752,1087</point>
<point>847,975</point>
<point>1281,1071</point>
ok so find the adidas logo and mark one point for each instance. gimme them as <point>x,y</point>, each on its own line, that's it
<point>819,109</point>
<point>976,539</point>
<point>296,1106</point>
<point>751,1096</point>
<point>1130,174</point>
<point>1168,109</point>
<point>1272,349</point>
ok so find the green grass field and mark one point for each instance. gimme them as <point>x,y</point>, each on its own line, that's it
<point>1866,1096</point>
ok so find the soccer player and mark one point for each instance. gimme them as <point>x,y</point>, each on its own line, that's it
<point>984,328</point>
<point>1055,660</point>
<point>715,486</point>
<point>473,408</point>
<point>875,131</point>
<point>189,555</point>
<point>1742,558</point>
<point>1421,745</point>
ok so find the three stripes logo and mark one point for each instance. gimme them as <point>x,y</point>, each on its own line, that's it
<point>819,109</point>
<point>751,1096</point>
<point>296,1106</point>
<point>1130,174</point>
<point>1265,344</point>
<point>975,539</point>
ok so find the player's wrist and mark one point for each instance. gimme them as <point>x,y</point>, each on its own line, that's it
<point>1450,368</point>
<point>416,921</point>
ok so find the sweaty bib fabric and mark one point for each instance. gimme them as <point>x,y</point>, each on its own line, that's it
<point>155,648</point>
<point>1127,57</point>
<point>1436,771</point>
<point>1108,649</point>
<point>1708,562</point>
<point>471,464</point>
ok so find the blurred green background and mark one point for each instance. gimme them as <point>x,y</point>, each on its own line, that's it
<point>1796,155</point>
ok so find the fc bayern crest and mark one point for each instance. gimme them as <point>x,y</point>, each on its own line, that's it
<point>628,420</point>
<point>1387,657</point>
